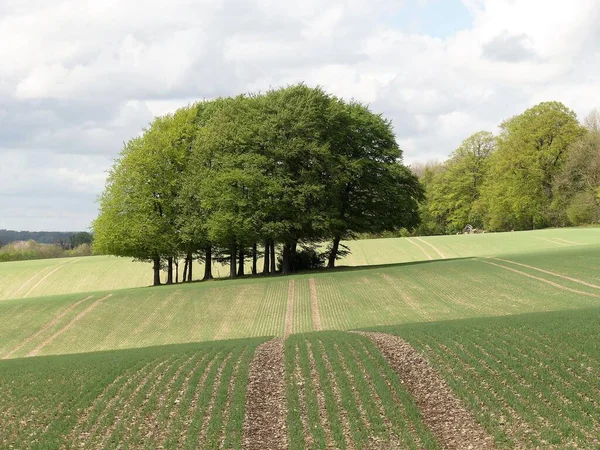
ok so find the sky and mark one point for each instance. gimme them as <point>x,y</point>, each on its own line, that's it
<point>78,78</point>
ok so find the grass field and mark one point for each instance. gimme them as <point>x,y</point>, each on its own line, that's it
<point>182,396</point>
<point>531,380</point>
<point>503,327</point>
<point>26,279</point>
<point>341,300</point>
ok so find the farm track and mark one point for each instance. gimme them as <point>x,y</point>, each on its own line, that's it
<point>80,316</point>
<point>264,423</point>
<point>314,303</point>
<point>46,327</point>
<point>548,272</point>
<point>543,280</point>
<point>434,248</point>
<point>45,277</point>
<point>442,411</point>
<point>427,255</point>
<point>289,315</point>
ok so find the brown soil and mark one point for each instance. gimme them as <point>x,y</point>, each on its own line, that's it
<point>80,316</point>
<point>50,324</point>
<point>289,315</point>
<point>314,303</point>
<point>441,410</point>
<point>264,424</point>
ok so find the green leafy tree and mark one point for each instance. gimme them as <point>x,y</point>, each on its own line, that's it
<point>530,151</point>
<point>368,188</point>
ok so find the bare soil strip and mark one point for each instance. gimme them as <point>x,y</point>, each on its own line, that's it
<point>543,280</point>
<point>79,316</point>
<point>440,254</point>
<point>427,255</point>
<point>47,275</point>
<point>265,424</point>
<point>48,325</point>
<point>565,277</point>
<point>314,304</point>
<point>289,315</point>
<point>442,411</point>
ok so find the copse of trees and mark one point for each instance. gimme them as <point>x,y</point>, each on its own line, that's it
<point>542,170</point>
<point>271,175</point>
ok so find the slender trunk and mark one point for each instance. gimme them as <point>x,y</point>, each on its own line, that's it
<point>273,261</point>
<point>241,262</point>
<point>156,268</point>
<point>267,261</point>
<point>293,248</point>
<point>208,263</point>
<point>334,252</point>
<point>170,270</point>
<point>286,257</point>
<point>254,258</point>
<point>176,270</point>
<point>232,261</point>
<point>190,266</point>
<point>185,269</point>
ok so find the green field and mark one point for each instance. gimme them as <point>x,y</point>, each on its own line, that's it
<point>509,321</point>
<point>26,279</point>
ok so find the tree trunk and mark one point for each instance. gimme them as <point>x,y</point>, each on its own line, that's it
<point>232,267</point>
<point>176,270</point>
<point>254,257</point>
<point>241,262</point>
<point>286,259</point>
<point>170,270</point>
<point>190,266</point>
<point>208,263</point>
<point>156,269</point>
<point>273,261</point>
<point>185,269</point>
<point>267,261</point>
<point>334,252</point>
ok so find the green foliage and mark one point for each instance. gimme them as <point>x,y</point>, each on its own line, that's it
<point>294,165</point>
<point>454,189</point>
<point>28,250</point>
<point>530,152</point>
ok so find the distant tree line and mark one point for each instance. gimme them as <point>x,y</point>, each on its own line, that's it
<point>542,170</point>
<point>66,239</point>
<point>65,245</point>
<point>275,175</point>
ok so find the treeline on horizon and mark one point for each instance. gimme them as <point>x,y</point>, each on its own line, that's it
<point>26,245</point>
<point>542,170</point>
<point>237,179</point>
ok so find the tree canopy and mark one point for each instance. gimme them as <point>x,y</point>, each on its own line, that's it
<point>287,169</point>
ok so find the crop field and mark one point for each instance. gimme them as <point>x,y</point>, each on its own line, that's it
<point>186,396</point>
<point>341,393</point>
<point>531,380</point>
<point>275,306</point>
<point>26,279</point>
<point>483,345</point>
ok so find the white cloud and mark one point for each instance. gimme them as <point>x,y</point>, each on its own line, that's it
<point>79,77</point>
